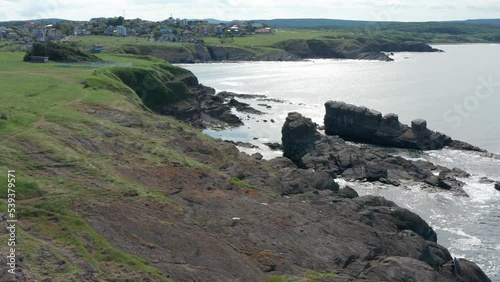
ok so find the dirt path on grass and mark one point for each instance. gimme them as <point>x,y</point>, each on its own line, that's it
<point>32,126</point>
<point>41,120</point>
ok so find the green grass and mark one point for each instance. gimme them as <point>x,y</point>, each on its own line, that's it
<point>340,39</point>
<point>309,276</point>
<point>269,40</point>
<point>24,188</point>
<point>115,44</point>
<point>43,108</point>
<point>45,118</point>
<point>260,45</point>
<point>40,88</point>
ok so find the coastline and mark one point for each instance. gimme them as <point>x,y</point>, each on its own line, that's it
<point>156,199</point>
<point>289,50</point>
<point>420,198</point>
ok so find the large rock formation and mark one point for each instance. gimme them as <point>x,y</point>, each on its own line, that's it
<point>307,148</point>
<point>361,124</point>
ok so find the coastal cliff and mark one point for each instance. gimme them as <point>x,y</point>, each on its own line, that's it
<point>114,189</point>
<point>289,50</point>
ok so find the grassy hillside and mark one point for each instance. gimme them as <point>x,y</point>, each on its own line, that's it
<point>115,44</point>
<point>106,190</point>
<point>267,40</point>
<point>439,32</point>
<point>257,46</point>
<point>70,133</point>
<point>347,41</point>
<point>42,121</point>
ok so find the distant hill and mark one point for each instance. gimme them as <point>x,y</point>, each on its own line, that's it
<point>299,23</point>
<point>216,21</point>
<point>326,23</point>
<point>319,23</point>
<point>485,21</point>
<point>311,23</point>
<point>50,21</point>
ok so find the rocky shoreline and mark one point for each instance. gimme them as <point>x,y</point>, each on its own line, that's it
<point>309,149</point>
<point>365,238</point>
<point>125,193</point>
<point>250,219</point>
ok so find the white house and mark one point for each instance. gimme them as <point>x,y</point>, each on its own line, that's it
<point>121,30</point>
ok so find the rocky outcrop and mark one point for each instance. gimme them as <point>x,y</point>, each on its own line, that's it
<point>407,46</point>
<point>241,144</point>
<point>300,181</point>
<point>310,150</point>
<point>217,53</point>
<point>243,107</point>
<point>274,146</point>
<point>202,53</point>
<point>357,49</point>
<point>226,235</point>
<point>226,230</point>
<point>231,95</point>
<point>238,54</point>
<point>299,137</point>
<point>370,56</point>
<point>204,109</point>
<point>214,108</point>
<point>361,124</point>
<point>398,269</point>
<point>348,192</point>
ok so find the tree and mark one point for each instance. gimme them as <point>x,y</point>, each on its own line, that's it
<point>157,33</point>
<point>119,20</point>
<point>116,21</point>
<point>66,27</point>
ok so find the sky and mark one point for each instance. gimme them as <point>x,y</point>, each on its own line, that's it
<point>371,10</point>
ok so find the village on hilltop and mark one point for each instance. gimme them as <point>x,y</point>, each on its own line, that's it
<point>22,35</point>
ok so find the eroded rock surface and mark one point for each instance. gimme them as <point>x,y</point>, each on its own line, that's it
<point>361,124</point>
<point>307,148</point>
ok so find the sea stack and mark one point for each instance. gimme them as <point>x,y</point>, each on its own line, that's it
<point>360,124</point>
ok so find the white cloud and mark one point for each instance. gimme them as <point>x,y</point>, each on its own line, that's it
<point>442,7</point>
<point>402,10</point>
